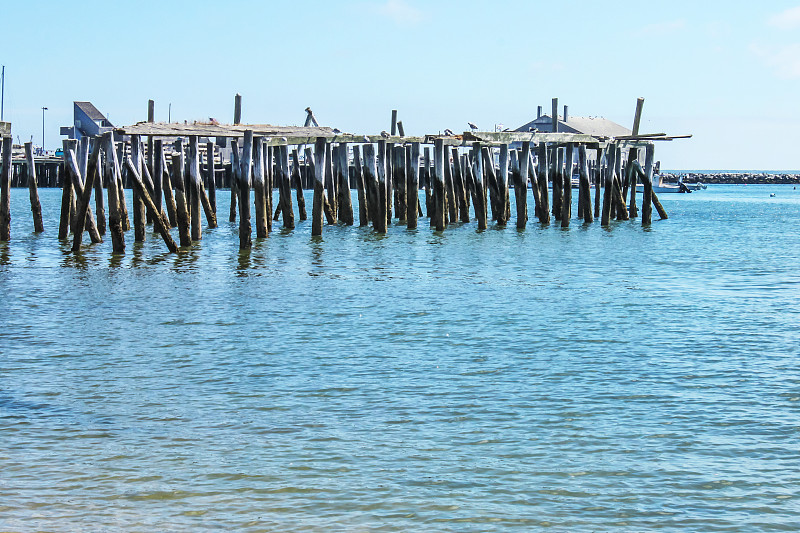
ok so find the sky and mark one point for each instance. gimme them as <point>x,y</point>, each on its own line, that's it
<point>726,72</point>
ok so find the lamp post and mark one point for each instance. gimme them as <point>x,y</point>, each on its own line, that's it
<point>43,110</point>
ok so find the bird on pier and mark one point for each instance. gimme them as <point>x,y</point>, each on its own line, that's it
<point>366,139</point>
<point>448,132</point>
<point>337,131</point>
<point>472,126</point>
<point>385,134</point>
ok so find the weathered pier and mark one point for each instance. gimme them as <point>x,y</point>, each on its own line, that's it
<point>175,170</point>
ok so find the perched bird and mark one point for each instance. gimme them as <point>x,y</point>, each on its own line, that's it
<point>337,130</point>
<point>448,132</point>
<point>212,120</point>
<point>366,139</point>
<point>385,134</point>
<point>472,126</point>
<point>284,139</point>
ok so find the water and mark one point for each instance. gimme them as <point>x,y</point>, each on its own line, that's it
<point>578,380</point>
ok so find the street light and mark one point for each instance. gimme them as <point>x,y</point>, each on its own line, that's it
<point>43,110</point>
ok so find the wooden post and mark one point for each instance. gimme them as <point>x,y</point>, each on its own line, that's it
<point>439,184</point>
<point>5,190</point>
<point>36,206</point>
<point>520,175</point>
<point>584,196</point>
<point>363,210</point>
<point>371,184</point>
<point>566,204</point>
<point>99,202</point>
<point>166,183</point>
<point>381,220</point>
<point>460,187</point>
<point>194,184</point>
<point>400,129</point>
<point>608,185</point>
<point>412,186</point>
<point>245,227</point>
<point>83,213</point>
<point>269,184</point>
<point>427,183</point>
<point>319,185</point>
<point>159,220</point>
<point>554,116</point>
<point>631,179</point>
<point>598,181</point>
<point>178,181</point>
<point>557,179</point>
<point>66,193</point>
<point>617,198</point>
<point>115,225</point>
<point>327,206</point>
<point>480,189</point>
<point>237,109</point>
<point>297,179</point>
<point>139,213</point>
<point>502,187</point>
<point>343,183</point>
<point>451,208</point>
<point>490,181</point>
<point>211,173</point>
<point>285,186</point>
<point>401,183</point>
<point>260,198</point>
<point>544,204</point>
<point>649,198</point>
<point>394,122</point>
<point>331,184</point>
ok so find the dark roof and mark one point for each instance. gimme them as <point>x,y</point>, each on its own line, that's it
<point>91,111</point>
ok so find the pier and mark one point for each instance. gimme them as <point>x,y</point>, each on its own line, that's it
<point>175,169</point>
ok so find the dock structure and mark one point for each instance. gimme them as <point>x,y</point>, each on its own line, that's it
<point>469,177</point>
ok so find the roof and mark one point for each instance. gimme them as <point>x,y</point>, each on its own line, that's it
<point>90,110</point>
<point>594,126</point>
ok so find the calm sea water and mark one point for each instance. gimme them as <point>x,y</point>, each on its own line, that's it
<point>578,380</point>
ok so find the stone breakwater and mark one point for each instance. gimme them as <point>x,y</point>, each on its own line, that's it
<point>732,177</point>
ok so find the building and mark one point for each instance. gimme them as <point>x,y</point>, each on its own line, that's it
<point>594,126</point>
<point>88,121</point>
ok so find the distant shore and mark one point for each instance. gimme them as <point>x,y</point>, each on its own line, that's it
<point>732,177</point>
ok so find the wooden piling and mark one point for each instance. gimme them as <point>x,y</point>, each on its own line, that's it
<point>139,212</point>
<point>381,221</point>
<point>345,207</point>
<point>459,186</point>
<point>371,185</point>
<point>439,185</point>
<point>412,185</point>
<point>544,204</point>
<point>194,184</point>
<point>401,183</point>
<point>237,109</point>
<point>178,181</point>
<point>115,225</point>
<point>556,178</point>
<point>519,173</point>
<point>83,211</point>
<point>319,184</point>
<point>5,190</point>
<point>331,184</point>
<point>490,181</point>
<point>297,181</point>
<point>36,206</point>
<point>259,193</point>
<point>608,185</point>
<point>566,203</point>
<point>99,201</point>
<point>584,196</point>
<point>67,200</point>
<point>480,188</point>
<point>451,208</point>
<point>328,206</point>
<point>166,184</point>
<point>502,187</point>
<point>282,163</point>
<point>363,209</point>
<point>269,183</point>
<point>597,180</point>
<point>211,177</point>
<point>159,220</point>
<point>245,227</point>
<point>427,183</point>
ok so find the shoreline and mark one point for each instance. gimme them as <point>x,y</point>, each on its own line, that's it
<point>732,178</point>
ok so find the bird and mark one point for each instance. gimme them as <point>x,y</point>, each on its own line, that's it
<point>385,134</point>
<point>337,130</point>
<point>366,139</point>
<point>284,139</point>
<point>448,132</point>
<point>212,120</point>
<point>472,126</point>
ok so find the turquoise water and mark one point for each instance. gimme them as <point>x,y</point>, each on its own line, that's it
<point>586,379</point>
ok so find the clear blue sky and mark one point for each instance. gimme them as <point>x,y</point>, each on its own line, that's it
<point>727,72</point>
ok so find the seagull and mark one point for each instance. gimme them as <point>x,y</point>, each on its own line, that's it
<point>284,139</point>
<point>448,132</point>
<point>366,139</point>
<point>337,130</point>
<point>385,134</point>
<point>472,126</point>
